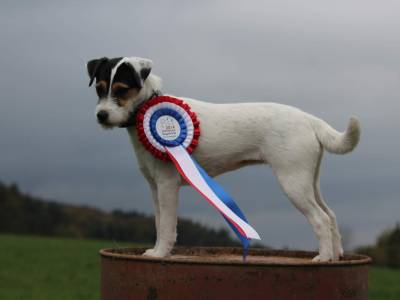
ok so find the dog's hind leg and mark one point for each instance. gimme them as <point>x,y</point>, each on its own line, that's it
<point>298,186</point>
<point>336,238</point>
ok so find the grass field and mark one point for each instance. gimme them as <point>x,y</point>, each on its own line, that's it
<point>47,268</point>
<point>384,284</point>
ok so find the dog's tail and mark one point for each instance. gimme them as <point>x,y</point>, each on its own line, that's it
<point>334,141</point>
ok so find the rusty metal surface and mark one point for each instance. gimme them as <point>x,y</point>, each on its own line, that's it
<point>219,273</point>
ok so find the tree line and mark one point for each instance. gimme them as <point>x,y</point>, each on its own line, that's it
<point>21,213</point>
<point>386,251</point>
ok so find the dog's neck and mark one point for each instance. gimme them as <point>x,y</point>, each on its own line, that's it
<point>151,88</point>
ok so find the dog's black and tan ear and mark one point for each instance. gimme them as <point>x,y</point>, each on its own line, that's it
<point>146,65</point>
<point>141,65</point>
<point>93,67</point>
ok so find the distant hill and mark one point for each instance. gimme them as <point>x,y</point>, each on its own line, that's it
<point>386,251</point>
<point>21,213</point>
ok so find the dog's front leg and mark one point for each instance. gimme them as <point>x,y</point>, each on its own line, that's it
<point>153,187</point>
<point>167,195</point>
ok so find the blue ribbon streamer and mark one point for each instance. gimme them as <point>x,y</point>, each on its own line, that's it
<point>228,201</point>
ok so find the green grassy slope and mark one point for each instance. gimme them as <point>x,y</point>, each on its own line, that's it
<point>54,268</point>
<point>384,284</point>
<point>47,268</point>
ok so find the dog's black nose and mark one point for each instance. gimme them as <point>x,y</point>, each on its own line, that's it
<point>102,116</point>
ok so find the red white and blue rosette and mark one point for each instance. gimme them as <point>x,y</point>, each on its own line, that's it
<point>177,125</point>
<point>169,130</point>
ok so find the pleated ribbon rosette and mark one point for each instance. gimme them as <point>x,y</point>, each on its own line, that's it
<point>170,131</point>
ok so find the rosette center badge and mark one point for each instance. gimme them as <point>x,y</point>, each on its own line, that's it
<point>168,128</point>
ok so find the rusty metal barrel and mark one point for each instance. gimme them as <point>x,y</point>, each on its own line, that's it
<point>221,273</point>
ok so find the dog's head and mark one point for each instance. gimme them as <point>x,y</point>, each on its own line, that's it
<point>121,86</point>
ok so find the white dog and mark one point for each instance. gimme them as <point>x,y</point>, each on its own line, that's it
<point>232,136</point>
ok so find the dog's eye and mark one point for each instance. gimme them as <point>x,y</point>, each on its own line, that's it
<point>99,89</point>
<point>121,91</point>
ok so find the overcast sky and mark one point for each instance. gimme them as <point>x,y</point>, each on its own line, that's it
<point>333,59</point>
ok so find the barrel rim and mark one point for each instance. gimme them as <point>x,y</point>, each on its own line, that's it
<point>134,254</point>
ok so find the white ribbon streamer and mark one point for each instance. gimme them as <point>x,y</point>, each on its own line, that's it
<point>191,173</point>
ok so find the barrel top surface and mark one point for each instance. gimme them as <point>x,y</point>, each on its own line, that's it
<point>233,256</point>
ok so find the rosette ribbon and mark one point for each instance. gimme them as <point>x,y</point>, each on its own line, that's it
<point>170,131</point>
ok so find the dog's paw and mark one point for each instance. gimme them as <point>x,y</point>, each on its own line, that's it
<point>316,259</point>
<point>155,253</point>
<point>149,252</point>
<point>323,258</point>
